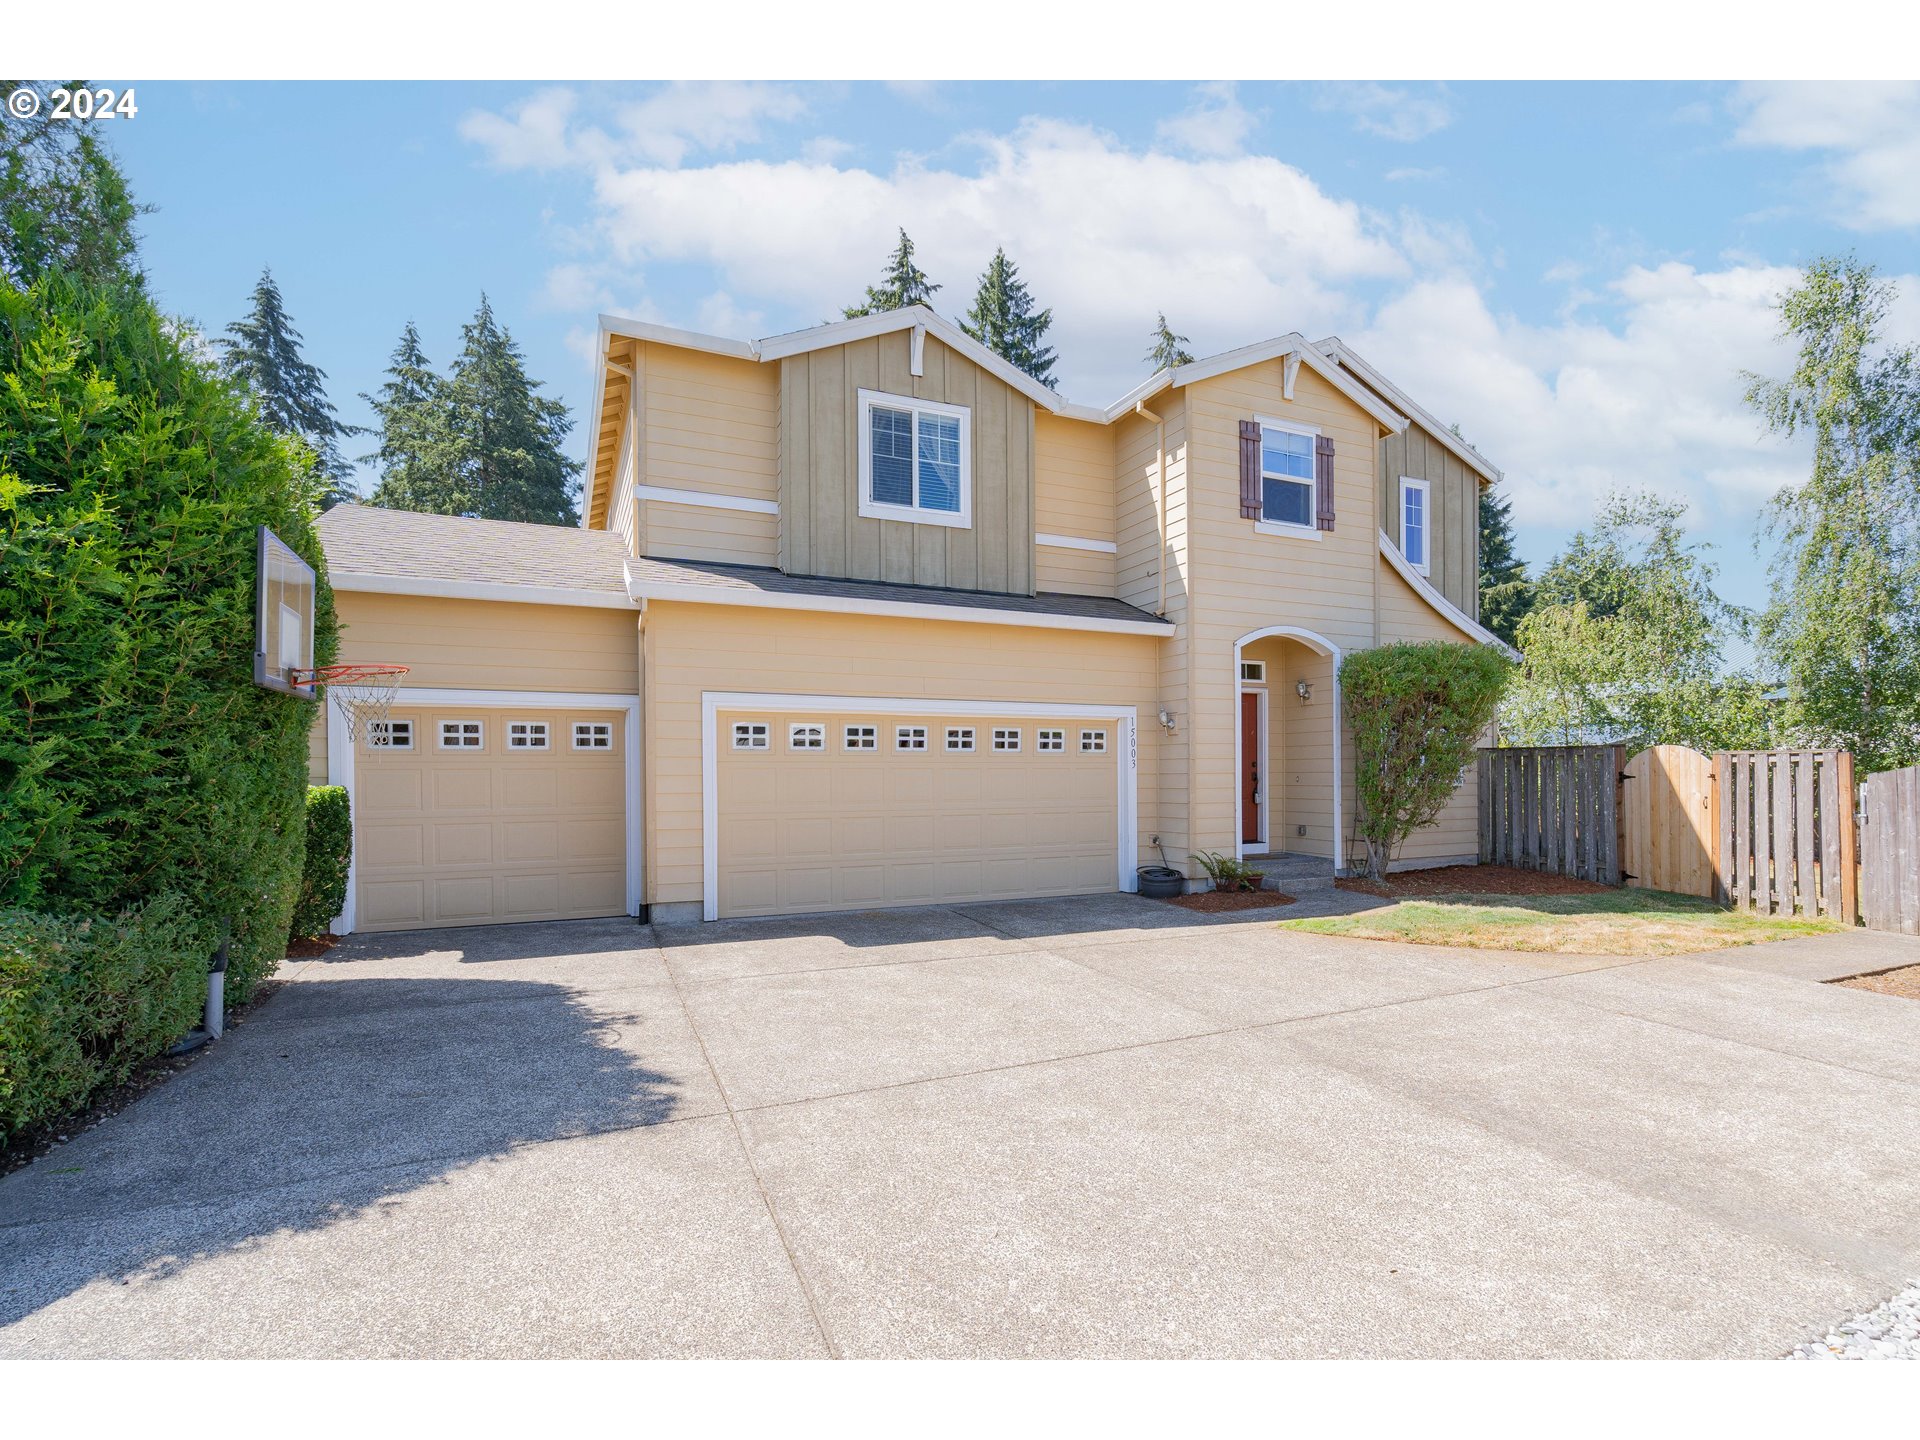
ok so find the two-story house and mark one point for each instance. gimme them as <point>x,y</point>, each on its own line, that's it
<point>863,616</point>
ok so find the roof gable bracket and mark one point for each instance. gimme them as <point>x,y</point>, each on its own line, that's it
<point>1288,375</point>
<point>917,355</point>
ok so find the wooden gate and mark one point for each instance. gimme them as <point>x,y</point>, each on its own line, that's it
<point>1667,821</point>
<point>1890,851</point>
<point>1785,832</point>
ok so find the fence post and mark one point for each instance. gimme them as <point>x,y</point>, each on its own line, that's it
<point>1614,757</point>
<point>1720,811</point>
<point>1483,801</point>
<point>1849,842</point>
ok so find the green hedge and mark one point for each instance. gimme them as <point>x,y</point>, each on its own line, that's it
<point>137,758</point>
<point>83,1002</point>
<point>323,882</point>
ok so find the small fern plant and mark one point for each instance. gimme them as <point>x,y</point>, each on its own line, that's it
<point>1225,872</point>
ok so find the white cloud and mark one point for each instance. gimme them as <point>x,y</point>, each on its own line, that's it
<point>1391,113</point>
<point>663,128</point>
<point>536,135</point>
<point>1415,172</point>
<point>1871,131</point>
<point>1215,124</point>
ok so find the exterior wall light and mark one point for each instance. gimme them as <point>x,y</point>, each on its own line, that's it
<point>1304,690</point>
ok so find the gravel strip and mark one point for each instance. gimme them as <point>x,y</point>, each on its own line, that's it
<point>1887,1332</point>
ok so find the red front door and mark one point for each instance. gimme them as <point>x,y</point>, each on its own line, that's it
<point>1250,776</point>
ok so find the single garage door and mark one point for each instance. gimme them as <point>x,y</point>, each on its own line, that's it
<point>837,812</point>
<point>473,817</point>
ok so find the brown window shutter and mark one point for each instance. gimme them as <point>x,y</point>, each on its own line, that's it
<point>1250,499</point>
<point>1323,482</point>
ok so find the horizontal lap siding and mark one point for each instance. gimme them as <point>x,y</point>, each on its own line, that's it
<point>711,424</point>
<point>1456,832</point>
<point>697,648</point>
<point>1073,496</point>
<point>700,532</point>
<point>1455,499</point>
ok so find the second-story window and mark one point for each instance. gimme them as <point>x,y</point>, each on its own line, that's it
<point>1286,474</point>
<point>1416,523</point>
<point>916,460</point>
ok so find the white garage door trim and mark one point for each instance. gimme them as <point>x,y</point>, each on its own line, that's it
<point>712,702</point>
<point>341,751</point>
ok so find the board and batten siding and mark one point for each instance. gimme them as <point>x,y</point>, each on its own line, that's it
<point>1454,493</point>
<point>821,529</point>
<point>1073,487</point>
<point>709,424</point>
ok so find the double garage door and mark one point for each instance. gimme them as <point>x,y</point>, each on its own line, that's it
<point>472,816</point>
<point>848,811</point>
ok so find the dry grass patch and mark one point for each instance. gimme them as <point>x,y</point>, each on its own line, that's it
<point>1609,922</point>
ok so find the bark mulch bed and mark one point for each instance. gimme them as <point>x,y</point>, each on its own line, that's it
<point>1217,900</point>
<point>1472,880</point>
<point>31,1144</point>
<point>312,947</point>
<point>1905,981</point>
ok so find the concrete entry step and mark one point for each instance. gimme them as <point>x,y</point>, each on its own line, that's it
<point>1293,873</point>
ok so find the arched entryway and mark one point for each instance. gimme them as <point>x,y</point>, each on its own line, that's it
<point>1287,761</point>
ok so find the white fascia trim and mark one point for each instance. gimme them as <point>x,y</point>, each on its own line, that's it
<point>706,499</point>
<point>1442,606</point>
<point>478,590</point>
<point>1076,542</point>
<point>1290,346</point>
<point>697,594</point>
<point>668,335</point>
<point>341,751</point>
<point>712,702</point>
<point>1337,350</point>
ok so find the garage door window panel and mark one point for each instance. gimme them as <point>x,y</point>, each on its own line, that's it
<point>463,735</point>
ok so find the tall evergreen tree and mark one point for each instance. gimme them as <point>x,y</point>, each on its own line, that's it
<point>1168,349</point>
<point>903,284</point>
<point>1003,319</point>
<point>415,454</point>
<point>1506,592</point>
<point>504,440</point>
<point>1844,621</point>
<point>264,355</point>
<point>63,201</point>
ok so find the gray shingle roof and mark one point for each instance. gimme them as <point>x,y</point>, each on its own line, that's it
<point>648,573</point>
<point>365,540</point>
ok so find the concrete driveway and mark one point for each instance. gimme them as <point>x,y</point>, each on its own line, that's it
<point>1101,1127</point>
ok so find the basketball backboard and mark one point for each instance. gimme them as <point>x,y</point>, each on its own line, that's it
<point>283,617</point>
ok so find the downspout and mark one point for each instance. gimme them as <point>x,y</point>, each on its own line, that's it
<point>1160,471</point>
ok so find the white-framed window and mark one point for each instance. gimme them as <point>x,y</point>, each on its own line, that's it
<point>1093,742</point>
<point>910,737</point>
<point>1050,740</point>
<point>916,460</point>
<point>463,734</point>
<point>960,737</point>
<point>1253,672</point>
<point>1416,523</point>
<point>1286,478</point>
<point>806,736</point>
<point>750,735</point>
<point>390,734</point>
<point>861,737</point>
<point>1008,739</point>
<point>592,735</point>
<point>527,735</point>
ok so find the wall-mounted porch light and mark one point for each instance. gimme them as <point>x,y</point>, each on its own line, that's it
<point>1304,690</point>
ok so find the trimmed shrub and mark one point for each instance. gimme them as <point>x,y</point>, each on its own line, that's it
<point>323,880</point>
<point>1415,712</point>
<point>83,1002</point>
<point>137,757</point>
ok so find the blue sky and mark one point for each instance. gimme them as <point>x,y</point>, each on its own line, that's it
<point>1575,273</point>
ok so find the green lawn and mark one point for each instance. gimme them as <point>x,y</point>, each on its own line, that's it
<point>1616,922</point>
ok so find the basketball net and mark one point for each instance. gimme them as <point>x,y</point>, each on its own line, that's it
<point>364,694</point>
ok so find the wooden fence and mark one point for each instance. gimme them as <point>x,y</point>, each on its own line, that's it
<point>1786,832</point>
<point>1890,851</point>
<point>1552,807</point>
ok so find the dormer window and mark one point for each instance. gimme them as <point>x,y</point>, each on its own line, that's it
<point>916,460</point>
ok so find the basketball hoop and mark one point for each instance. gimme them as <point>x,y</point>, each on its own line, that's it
<point>365,693</point>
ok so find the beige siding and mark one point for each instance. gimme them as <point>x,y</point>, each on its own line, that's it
<point>1060,570</point>
<point>1405,616</point>
<point>821,529</point>
<point>1073,497</point>
<point>623,515</point>
<point>711,424</point>
<point>695,648</point>
<point>1455,493</point>
<point>701,532</point>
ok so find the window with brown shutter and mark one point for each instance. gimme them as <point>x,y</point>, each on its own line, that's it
<point>1323,482</point>
<point>1250,469</point>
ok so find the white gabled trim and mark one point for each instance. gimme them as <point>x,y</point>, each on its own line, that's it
<point>706,499</point>
<point>341,751</point>
<point>1321,645</point>
<point>712,702</point>
<point>917,352</point>
<point>1341,353</point>
<point>1288,374</point>
<point>698,594</point>
<point>1295,347</point>
<point>1442,606</point>
<point>478,590</point>
<point>1076,542</point>
<point>668,335</point>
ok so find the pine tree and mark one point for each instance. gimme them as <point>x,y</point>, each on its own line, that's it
<point>505,460</point>
<point>1168,349</point>
<point>264,355</point>
<point>1003,319</point>
<point>415,454</point>
<point>1506,593</point>
<point>903,284</point>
